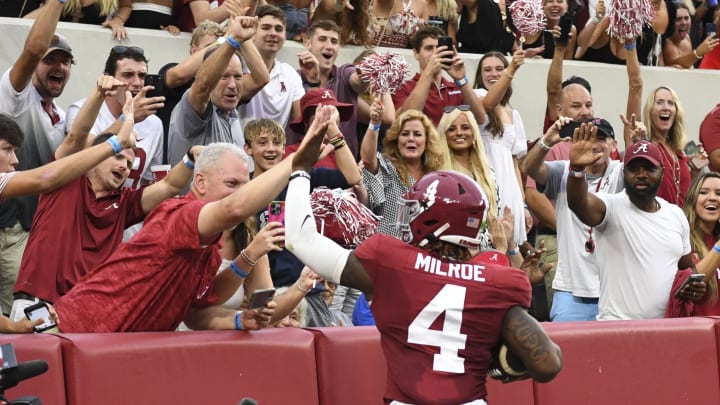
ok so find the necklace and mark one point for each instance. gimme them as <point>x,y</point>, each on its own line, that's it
<point>670,161</point>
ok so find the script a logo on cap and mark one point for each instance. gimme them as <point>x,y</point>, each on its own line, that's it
<point>327,94</point>
<point>643,147</point>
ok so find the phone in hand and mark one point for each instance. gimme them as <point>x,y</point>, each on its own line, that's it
<point>566,21</point>
<point>38,311</point>
<point>261,297</point>
<point>448,42</point>
<point>568,129</point>
<point>692,279</point>
<point>710,29</point>
<point>691,148</point>
<point>156,81</point>
<point>276,213</point>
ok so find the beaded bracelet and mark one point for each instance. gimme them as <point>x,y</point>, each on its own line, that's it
<point>247,260</point>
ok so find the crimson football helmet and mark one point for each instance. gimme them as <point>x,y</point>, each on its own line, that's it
<point>444,205</point>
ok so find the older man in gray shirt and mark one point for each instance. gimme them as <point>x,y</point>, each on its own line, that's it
<point>207,112</point>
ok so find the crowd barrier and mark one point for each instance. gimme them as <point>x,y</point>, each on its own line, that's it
<point>657,362</point>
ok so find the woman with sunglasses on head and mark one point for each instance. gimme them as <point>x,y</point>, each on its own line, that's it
<point>503,133</point>
<point>465,153</point>
<point>411,149</point>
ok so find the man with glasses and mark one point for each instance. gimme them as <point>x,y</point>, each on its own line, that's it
<point>428,91</point>
<point>129,65</point>
<point>80,224</point>
<point>27,94</point>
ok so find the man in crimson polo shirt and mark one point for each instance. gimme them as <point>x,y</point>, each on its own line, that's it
<point>428,91</point>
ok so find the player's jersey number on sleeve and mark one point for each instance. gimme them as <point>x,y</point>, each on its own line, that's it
<point>450,300</point>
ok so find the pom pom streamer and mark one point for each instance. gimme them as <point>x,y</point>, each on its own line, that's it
<point>627,18</point>
<point>341,217</point>
<point>528,16</point>
<point>385,73</point>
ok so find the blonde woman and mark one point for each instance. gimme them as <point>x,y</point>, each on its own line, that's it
<point>411,149</point>
<point>465,153</point>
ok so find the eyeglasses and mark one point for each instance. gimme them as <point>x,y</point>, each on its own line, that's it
<point>462,107</point>
<point>121,49</point>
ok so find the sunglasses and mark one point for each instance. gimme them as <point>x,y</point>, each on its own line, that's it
<point>121,50</point>
<point>451,108</point>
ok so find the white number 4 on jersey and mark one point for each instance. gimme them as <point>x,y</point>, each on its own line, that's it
<point>451,300</point>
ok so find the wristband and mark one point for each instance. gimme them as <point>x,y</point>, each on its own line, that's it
<point>513,252</point>
<point>237,270</point>
<point>578,174</point>
<point>305,290</point>
<point>122,117</point>
<point>375,127</point>
<point>462,82</point>
<point>190,165</point>
<point>299,173</point>
<point>716,248</point>
<point>696,54</point>
<point>631,46</point>
<point>337,138</point>
<point>238,320</point>
<point>189,155</point>
<point>543,145</point>
<point>597,19</point>
<point>313,84</point>
<point>232,42</point>
<point>246,258</point>
<point>339,145</point>
<point>113,141</point>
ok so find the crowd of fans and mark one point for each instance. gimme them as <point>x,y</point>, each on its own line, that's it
<point>226,117</point>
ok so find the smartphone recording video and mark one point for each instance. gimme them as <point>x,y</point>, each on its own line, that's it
<point>565,24</point>
<point>261,297</point>
<point>157,82</point>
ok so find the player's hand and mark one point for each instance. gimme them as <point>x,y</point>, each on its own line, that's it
<point>309,150</point>
<point>581,151</point>
<point>505,366</point>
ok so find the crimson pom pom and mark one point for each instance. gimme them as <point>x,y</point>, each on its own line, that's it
<point>385,73</point>
<point>627,18</point>
<point>528,16</point>
<point>341,217</point>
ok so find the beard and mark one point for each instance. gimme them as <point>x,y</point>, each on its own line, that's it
<point>643,194</point>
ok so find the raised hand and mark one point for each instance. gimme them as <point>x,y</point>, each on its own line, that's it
<point>270,237</point>
<point>108,86</point>
<point>309,149</point>
<point>636,128</point>
<point>531,264</point>
<point>126,134</point>
<point>498,235</point>
<point>309,66</point>
<point>581,151</point>
<point>242,28</point>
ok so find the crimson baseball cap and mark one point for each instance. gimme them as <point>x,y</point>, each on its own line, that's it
<point>59,43</point>
<point>316,96</point>
<point>491,257</point>
<point>643,150</point>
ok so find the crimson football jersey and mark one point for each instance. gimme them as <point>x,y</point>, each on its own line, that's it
<point>438,320</point>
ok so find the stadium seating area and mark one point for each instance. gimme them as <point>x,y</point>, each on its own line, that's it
<point>672,361</point>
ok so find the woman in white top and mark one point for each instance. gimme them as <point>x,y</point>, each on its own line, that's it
<point>504,133</point>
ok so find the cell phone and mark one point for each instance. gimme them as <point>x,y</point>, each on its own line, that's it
<point>693,278</point>
<point>276,213</point>
<point>710,29</point>
<point>565,24</point>
<point>156,81</point>
<point>261,297</point>
<point>568,129</point>
<point>38,311</point>
<point>437,21</point>
<point>691,148</point>
<point>446,41</point>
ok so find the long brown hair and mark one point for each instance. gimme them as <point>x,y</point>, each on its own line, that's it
<point>495,125</point>
<point>697,237</point>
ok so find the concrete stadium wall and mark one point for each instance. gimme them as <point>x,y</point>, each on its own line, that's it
<point>698,89</point>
